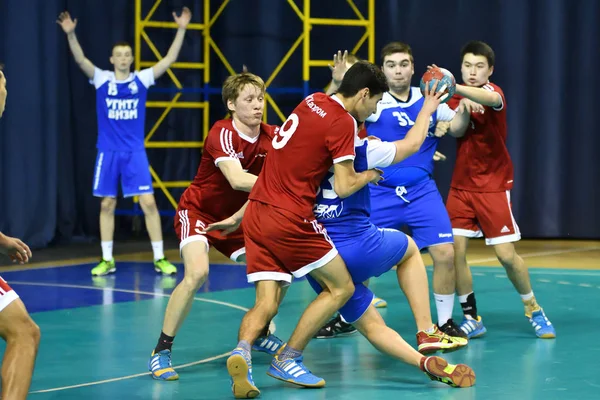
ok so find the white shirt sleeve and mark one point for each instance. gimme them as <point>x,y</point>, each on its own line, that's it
<point>100,77</point>
<point>146,76</point>
<point>380,154</point>
<point>490,88</point>
<point>445,113</point>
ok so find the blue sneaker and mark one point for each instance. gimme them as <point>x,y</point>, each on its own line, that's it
<point>293,371</point>
<point>239,366</point>
<point>542,325</point>
<point>160,366</point>
<point>473,328</point>
<point>268,344</point>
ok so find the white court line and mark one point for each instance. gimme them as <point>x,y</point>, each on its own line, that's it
<point>122,378</point>
<point>538,254</point>
<point>223,303</point>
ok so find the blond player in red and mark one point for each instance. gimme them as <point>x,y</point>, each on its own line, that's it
<point>479,198</point>
<point>21,334</point>
<point>282,237</point>
<point>234,153</point>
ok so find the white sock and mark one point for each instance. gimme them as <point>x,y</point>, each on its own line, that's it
<point>463,297</point>
<point>444,304</point>
<point>157,248</point>
<point>107,248</point>
<point>527,296</point>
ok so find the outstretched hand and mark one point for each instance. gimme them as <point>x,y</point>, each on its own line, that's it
<point>15,249</point>
<point>184,19</point>
<point>66,23</point>
<point>340,66</point>
<point>227,226</point>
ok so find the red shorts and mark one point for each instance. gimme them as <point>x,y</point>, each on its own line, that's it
<point>7,294</point>
<point>475,214</point>
<point>280,244</point>
<point>189,225</point>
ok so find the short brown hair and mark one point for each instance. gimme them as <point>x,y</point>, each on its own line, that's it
<point>234,84</point>
<point>122,44</point>
<point>396,47</point>
<point>479,48</point>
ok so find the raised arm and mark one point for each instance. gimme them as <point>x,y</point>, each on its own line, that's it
<point>416,135</point>
<point>182,21</point>
<point>68,25</point>
<point>3,93</point>
<point>338,69</point>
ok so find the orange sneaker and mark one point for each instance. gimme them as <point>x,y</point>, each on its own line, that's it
<point>438,369</point>
<point>438,341</point>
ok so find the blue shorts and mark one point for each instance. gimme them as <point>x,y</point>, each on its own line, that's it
<point>419,207</point>
<point>367,256</point>
<point>131,167</point>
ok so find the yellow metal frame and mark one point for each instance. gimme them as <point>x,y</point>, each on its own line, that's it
<point>308,22</point>
<point>141,24</point>
<point>144,22</point>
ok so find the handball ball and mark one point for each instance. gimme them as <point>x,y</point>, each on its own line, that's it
<point>444,77</point>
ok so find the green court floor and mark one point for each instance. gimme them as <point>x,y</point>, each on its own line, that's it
<point>101,351</point>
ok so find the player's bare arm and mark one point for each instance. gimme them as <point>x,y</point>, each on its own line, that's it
<point>479,95</point>
<point>416,135</point>
<point>460,122</point>
<point>3,93</point>
<point>68,25</point>
<point>235,175</point>
<point>14,248</point>
<point>182,22</point>
<point>338,69</point>
<point>347,182</point>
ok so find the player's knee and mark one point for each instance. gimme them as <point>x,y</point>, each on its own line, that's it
<point>343,292</point>
<point>35,333</point>
<point>196,274</point>
<point>148,204</point>
<point>268,306</point>
<point>443,255</point>
<point>108,205</point>
<point>25,330</point>
<point>506,254</point>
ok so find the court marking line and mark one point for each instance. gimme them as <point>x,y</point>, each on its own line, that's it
<point>130,257</point>
<point>490,259</point>
<point>538,254</point>
<point>122,378</point>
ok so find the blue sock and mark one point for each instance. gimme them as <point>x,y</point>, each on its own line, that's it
<point>288,353</point>
<point>244,345</point>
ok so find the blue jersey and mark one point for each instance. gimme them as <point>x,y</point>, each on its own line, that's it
<point>392,121</point>
<point>345,218</point>
<point>121,109</point>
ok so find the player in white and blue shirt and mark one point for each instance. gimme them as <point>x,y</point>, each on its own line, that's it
<point>121,110</point>
<point>369,251</point>
<point>408,196</point>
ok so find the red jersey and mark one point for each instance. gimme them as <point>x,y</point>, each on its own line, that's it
<point>483,163</point>
<point>318,134</point>
<point>210,192</point>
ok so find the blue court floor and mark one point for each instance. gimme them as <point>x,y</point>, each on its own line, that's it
<point>97,335</point>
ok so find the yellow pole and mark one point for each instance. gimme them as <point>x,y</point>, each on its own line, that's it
<point>137,44</point>
<point>306,47</point>
<point>371,28</point>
